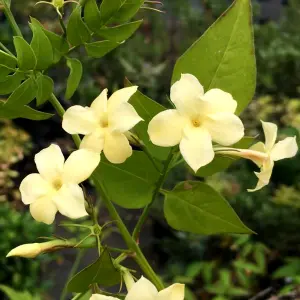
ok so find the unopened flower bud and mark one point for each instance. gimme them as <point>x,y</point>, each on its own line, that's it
<point>58,3</point>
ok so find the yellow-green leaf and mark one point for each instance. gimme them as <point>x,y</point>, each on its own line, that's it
<point>45,87</point>
<point>119,33</point>
<point>77,31</point>
<point>101,48</point>
<point>74,78</point>
<point>196,207</point>
<point>25,55</point>
<point>224,56</point>
<point>41,46</point>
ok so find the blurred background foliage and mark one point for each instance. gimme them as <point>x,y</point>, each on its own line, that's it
<point>218,267</point>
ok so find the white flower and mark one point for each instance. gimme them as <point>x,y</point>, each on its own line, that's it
<point>197,120</point>
<point>265,154</point>
<point>56,187</point>
<point>104,124</point>
<point>143,289</point>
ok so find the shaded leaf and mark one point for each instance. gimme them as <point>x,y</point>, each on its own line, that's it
<point>108,8</point>
<point>119,33</point>
<point>6,60</point>
<point>224,56</point>
<point>92,15</point>
<point>25,55</point>
<point>77,31</point>
<point>74,78</point>
<point>101,272</point>
<point>41,46</point>
<point>128,10</point>
<point>10,83</point>
<point>23,95</point>
<point>147,109</point>
<point>45,87</point>
<point>196,207</point>
<point>101,48</point>
<point>130,184</point>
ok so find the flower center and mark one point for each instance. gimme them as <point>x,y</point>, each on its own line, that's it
<point>104,121</point>
<point>57,184</point>
<point>196,122</point>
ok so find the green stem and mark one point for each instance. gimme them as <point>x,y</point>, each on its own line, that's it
<point>75,266</point>
<point>11,20</point>
<point>161,179</point>
<point>6,49</point>
<point>62,24</point>
<point>130,242</point>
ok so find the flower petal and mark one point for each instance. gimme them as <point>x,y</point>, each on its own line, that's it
<point>123,118</point>
<point>116,148</point>
<point>70,201</point>
<point>196,148</point>
<point>285,149</point>
<point>93,141</point>
<point>119,97</point>
<point>174,292</point>
<point>50,162</point>
<point>99,105</point>
<point>264,175</point>
<point>219,101</point>
<point>33,187</point>
<point>43,210</point>
<point>102,297</point>
<point>270,130</point>
<point>224,128</point>
<point>186,93</point>
<point>80,165</point>
<point>166,128</point>
<point>78,119</point>
<point>142,289</point>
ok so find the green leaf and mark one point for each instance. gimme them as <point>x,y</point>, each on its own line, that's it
<point>147,109</point>
<point>92,15</point>
<point>108,8</point>
<point>24,112</point>
<point>101,272</point>
<point>59,44</point>
<point>6,60</point>
<point>101,48</point>
<point>41,46</point>
<point>289,270</point>
<point>45,87</point>
<point>128,10</point>
<point>196,207</point>
<point>77,31</point>
<point>74,78</point>
<point>10,83</point>
<point>23,95</point>
<point>15,295</point>
<point>130,184</point>
<point>224,56</point>
<point>25,55</point>
<point>221,162</point>
<point>119,33</point>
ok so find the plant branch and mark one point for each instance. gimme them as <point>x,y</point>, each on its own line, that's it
<point>11,20</point>
<point>130,242</point>
<point>161,179</point>
<point>6,49</point>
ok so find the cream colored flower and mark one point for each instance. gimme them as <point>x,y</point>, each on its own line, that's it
<point>55,187</point>
<point>198,120</point>
<point>265,154</point>
<point>104,124</point>
<point>26,250</point>
<point>143,289</point>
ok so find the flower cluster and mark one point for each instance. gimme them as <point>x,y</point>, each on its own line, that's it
<point>198,120</point>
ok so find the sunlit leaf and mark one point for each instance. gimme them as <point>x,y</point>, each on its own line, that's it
<point>197,208</point>
<point>101,48</point>
<point>224,56</point>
